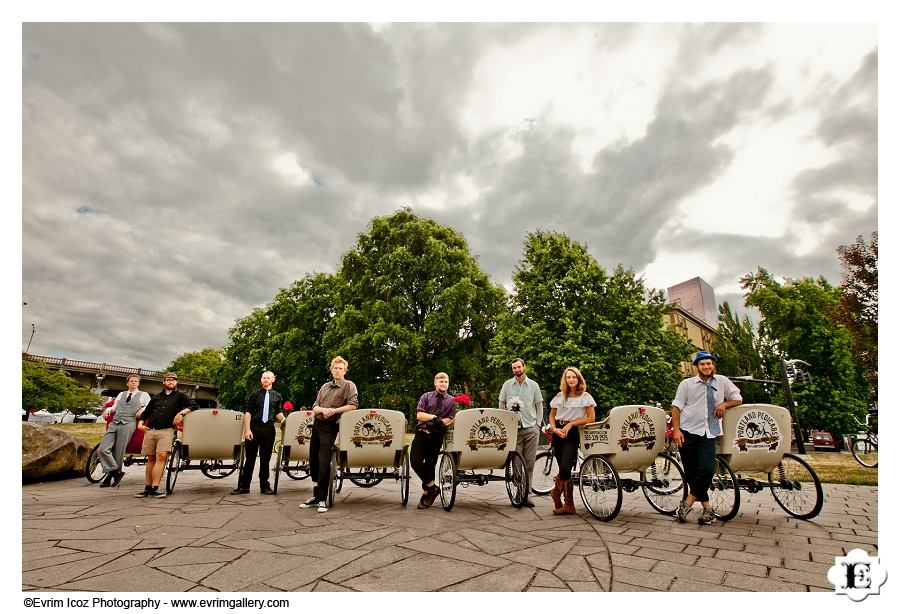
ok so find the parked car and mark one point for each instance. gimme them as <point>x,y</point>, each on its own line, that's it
<point>822,440</point>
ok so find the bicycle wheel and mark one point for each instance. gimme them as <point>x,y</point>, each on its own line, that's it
<point>333,477</point>
<point>600,489</point>
<point>516,479</point>
<point>865,451</point>
<point>93,470</point>
<point>663,484</point>
<point>545,471</point>
<point>403,470</point>
<point>277,471</point>
<point>298,471</point>
<point>215,469</point>
<point>798,490</point>
<point>173,468</point>
<point>447,480</point>
<point>370,479</point>
<point>724,491</point>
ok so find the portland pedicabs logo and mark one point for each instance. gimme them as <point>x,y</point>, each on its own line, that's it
<point>857,575</point>
<point>487,432</point>
<point>757,430</point>
<point>372,430</point>
<point>637,431</point>
<point>304,429</point>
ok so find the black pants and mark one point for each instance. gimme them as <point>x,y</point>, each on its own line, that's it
<point>423,454</point>
<point>324,434</point>
<point>263,441</point>
<point>566,451</point>
<point>698,455</point>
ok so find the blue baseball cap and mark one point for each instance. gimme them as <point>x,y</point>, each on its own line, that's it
<point>703,355</point>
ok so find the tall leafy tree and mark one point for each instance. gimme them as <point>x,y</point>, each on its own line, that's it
<point>203,363</point>
<point>413,301</point>
<point>566,310</point>
<point>858,306</point>
<point>796,316</point>
<point>742,351</point>
<point>43,387</point>
<point>245,358</point>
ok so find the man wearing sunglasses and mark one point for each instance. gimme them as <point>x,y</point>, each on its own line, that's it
<point>165,410</point>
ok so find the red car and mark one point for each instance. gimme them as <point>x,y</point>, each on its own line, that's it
<point>823,440</point>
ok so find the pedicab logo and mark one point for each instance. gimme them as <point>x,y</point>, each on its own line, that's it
<point>757,430</point>
<point>488,432</point>
<point>371,430</point>
<point>637,431</point>
<point>857,575</point>
<point>304,430</point>
<point>595,435</point>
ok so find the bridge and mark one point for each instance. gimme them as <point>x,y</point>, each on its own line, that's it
<point>109,380</point>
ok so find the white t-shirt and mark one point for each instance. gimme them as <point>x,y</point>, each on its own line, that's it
<point>572,408</point>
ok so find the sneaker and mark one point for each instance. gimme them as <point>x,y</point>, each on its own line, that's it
<point>107,480</point>
<point>117,478</point>
<point>158,494</point>
<point>322,507</point>
<point>311,502</point>
<point>143,493</point>
<point>708,516</point>
<point>682,512</point>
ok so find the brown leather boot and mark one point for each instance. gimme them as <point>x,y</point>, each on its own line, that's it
<point>556,493</point>
<point>569,507</point>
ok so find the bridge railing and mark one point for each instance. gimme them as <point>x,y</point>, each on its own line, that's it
<point>104,368</point>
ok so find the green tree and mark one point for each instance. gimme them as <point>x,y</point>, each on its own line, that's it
<point>43,387</point>
<point>566,310</point>
<point>413,301</point>
<point>204,363</point>
<point>742,351</point>
<point>858,306</point>
<point>796,317</point>
<point>245,358</point>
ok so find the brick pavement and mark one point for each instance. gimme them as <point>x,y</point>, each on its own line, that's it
<point>76,536</point>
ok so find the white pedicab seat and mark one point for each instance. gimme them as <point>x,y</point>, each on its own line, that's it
<point>293,455</point>
<point>370,447</point>
<point>756,439</point>
<point>630,439</point>
<point>482,438</point>
<point>211,436</point>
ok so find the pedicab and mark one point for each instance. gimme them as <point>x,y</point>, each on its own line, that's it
<point>93,470</point>
<point>292,456</point>
<point>629,440</point>
<point>211,440</point>
<point>479,439</point>
<point>754,453</point>
<point>369,448</point>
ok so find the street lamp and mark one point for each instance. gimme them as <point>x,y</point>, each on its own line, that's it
<point>32,336</point>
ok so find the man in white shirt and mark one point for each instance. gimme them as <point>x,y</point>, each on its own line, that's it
<point>127,408</point>
<point>523,395</point>
<point>697,411</point>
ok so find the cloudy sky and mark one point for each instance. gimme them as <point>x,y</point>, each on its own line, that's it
<point>176,176</point>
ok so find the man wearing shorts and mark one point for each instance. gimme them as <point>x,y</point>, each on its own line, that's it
<point>166,410</point>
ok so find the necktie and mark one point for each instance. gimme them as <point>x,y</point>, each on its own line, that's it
<point>438,404</point>
<point>712,422</point>
<point>265,417</point>
<point>128,400</point>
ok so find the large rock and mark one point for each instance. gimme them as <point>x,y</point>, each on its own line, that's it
<point>51,454</point>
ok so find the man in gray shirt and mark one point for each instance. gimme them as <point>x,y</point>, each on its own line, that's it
<point>523,395</point>
<point>127,408</point>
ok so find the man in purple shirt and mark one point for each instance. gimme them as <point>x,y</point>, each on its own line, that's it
<point>434,412</point>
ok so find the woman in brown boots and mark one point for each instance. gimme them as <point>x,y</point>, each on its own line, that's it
<point>571,408</point>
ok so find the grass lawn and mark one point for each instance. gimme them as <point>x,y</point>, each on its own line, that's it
<point>831,467</point>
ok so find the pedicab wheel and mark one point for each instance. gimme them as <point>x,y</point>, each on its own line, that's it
<point>277,471</point>
<point>215,469</point>
<point>545,470</point>
<point>447,480</point>
<point>724,491</point>
<point>174,467</point>
<point>663,484</point>
<point>516,479</point>
<point>865,451</point>
<point>798,489</point>
<point>599,487</point>
<point>404,477</point>
<point>93,470</point>
<point>299,471</point>
<point>370,479</point>
<point>333,477</point>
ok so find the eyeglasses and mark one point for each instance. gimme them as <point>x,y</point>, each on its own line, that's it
<point>174,379</point>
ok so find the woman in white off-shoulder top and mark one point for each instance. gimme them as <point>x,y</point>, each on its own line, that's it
<point>571,408</point>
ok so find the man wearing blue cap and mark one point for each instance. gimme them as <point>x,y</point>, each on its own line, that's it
<point>697,411</point>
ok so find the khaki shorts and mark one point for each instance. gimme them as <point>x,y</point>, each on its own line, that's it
<point>157,440</point>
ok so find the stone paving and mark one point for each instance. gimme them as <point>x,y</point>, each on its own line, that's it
<point>78,537</point>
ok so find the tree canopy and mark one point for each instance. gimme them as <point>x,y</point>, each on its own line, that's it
<point>566,310</point>
<point>43,387</point>
<point>741,350</point>
<point>858,306</point>
<point>203,363</point>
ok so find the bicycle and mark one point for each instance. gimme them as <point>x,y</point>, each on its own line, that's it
<point>865,449</point>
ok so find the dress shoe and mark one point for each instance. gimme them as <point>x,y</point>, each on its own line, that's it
<point>118,477</point>
<point>240,491</point>
<point>266,490</point>
<point>528,503</point>
<point>428,497</point>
